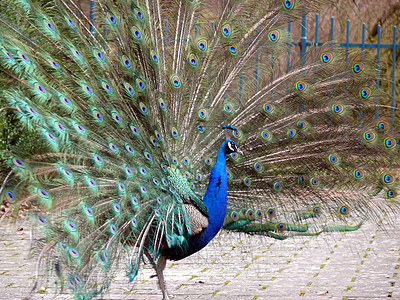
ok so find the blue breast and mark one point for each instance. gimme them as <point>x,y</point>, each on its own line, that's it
<point>215,199</point>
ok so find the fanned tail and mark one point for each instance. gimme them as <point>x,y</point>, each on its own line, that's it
<point>132,113</point>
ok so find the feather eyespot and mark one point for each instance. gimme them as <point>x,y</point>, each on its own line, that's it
<point>158,135</point>
<point>77,53</point>
<point>74,253</point>
<point>277,186</point>
<point>203,113</point>
<point>143,108</point>
<point>50,136</point>
<point>97,115</point>
<point>107,87</point>
<point>129,148</point>
<point>202,45</point>
<point>234,216</point>
<point>359,174</point>
<point>174,132</point>
<point>71,226</point>
<point>390,143</point>
<point>233,49</point>
<point>87,89</point>
<point>316,210</point>
<point>10,196</point>
<point>134,201</point>
<point>175,81</point>
<point>301,86</point>
<point>327,57</point>
<point>129,88</point>
<point>388,179</point>
<point>154,56</point>
<point>281,227</point>
<point>98,159</point>
<point>128,171</point>
<point>121,188</point>
<point>139,14</point>
<point>31,110</point>
<point>40,88</point>
<point>162,104</point>
<point>112,147</point>
<point>136,33</point>
<point>314,182</point>
<point>42,220</point>
<point>23,56</point>
<point>113,229</point>
<point>226,30</point>
<point>250,214</point>
<point>291,133</point>
<point>228,108</point>
<point>369,136</point>
<point>54,64</point>
<point>302,125</point>
<point>382,126</point>
<point>140,84</point>
<point>70,22</point>
<point>302,179</point>
<point>391,194</point>
<point>134,223</point>
<point>126,62</point>
<point>165,156</point>
<point>344,210</point>
<point>258,167</point>
<point>365,93</point>
<point>274,35</point>
<point>269,108</point>
<point>59,127</point>
<point>134,130</point>
<point>266,135</point>
<point>111,19</point>
<point>7,54</point>
<point>259,214</point>
<point>271,212</point>
<point>153,140</point>
<point>288,4</point>
<point>358,67</point>
<point>334,159</point>
<point>193,60</point>
<point>65,101</point>
<point>208,161</point>
<point>147,155</point>
<point>338,108</point>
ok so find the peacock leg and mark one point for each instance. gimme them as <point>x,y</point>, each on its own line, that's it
<point>159,266</point>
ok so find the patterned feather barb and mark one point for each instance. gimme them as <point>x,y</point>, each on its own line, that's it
<point>134,111</point>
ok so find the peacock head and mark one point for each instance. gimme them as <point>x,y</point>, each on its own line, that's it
<point>230,147</point>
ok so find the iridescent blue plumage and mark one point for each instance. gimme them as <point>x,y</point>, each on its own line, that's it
<point>215,199</point>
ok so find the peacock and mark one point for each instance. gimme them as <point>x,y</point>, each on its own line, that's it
<point>159,122</point>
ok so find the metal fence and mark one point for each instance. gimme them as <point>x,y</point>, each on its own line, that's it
<point>304,43</point>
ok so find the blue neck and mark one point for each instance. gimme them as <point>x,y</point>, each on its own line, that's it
<point>215,199</point>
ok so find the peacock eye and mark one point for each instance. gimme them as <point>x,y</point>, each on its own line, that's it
<point>232,146</point>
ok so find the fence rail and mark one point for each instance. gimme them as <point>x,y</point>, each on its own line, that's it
<point>304,43</point>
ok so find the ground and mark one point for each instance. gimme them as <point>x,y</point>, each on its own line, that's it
<point>355,265</point>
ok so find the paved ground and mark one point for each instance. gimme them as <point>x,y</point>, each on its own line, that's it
<point>356,265</point>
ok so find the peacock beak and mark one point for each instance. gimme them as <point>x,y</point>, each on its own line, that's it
<point>239,151</point>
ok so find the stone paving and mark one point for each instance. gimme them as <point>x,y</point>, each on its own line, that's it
<point>355,265</point>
